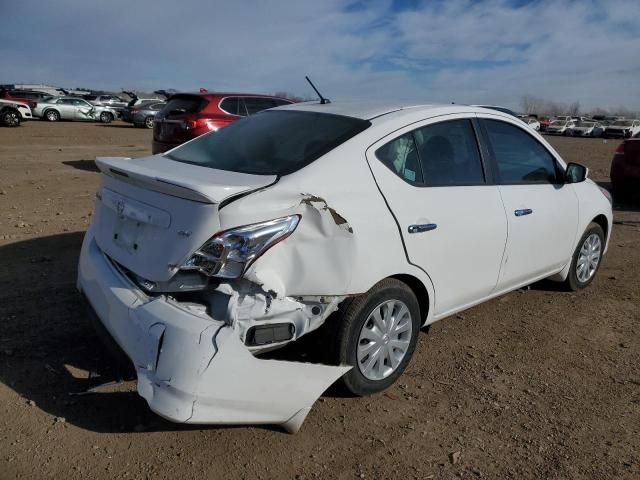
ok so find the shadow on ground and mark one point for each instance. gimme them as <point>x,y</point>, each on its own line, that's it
<point>116,125</point>
<point>48,347</point>
<point>85,165</point>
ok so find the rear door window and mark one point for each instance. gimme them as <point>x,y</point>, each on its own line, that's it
<point>519,157</point>
<point>441,154</point>
<point>401,157</point>
<point>449,154</point>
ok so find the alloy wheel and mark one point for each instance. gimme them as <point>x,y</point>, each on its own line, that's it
<point>11,119</point>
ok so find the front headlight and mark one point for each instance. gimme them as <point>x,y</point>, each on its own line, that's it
<point>228,254</point>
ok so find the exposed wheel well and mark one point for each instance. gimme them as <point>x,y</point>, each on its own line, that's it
<point>602,221</point>
<point>419,290</point>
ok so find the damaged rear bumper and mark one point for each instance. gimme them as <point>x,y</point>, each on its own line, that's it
<point>192,368</point>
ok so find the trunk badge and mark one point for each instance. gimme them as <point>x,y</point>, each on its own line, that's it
<point>184,233</point>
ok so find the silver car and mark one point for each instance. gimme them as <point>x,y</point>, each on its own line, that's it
<point>72,108</point>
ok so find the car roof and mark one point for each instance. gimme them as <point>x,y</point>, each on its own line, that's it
<point>212,95</point>
<point>368,110</point>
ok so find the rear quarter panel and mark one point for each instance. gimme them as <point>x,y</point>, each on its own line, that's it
<point>347,240</point>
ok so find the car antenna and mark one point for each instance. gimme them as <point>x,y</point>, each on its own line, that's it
<point>322,99</point>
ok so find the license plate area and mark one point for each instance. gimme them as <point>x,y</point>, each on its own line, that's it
<point>128,234</point>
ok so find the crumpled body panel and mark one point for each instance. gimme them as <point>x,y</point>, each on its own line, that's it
<point>191,367</point>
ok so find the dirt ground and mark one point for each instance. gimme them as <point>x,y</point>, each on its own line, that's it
<point>537,384</point>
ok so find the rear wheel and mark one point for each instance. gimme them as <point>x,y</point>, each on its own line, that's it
<point>106,117</point>
<point>377,334</point>
<point>52,115</point>
<point>586,258</point>
<point>10,118</point>
<point>148,122</point>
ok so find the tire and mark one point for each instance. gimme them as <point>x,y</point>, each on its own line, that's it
<point>51,115</point>
<point>106,117</point>
<point>356,322</point>
<point>10,118</point>
<point>578,278</point>
<point>148,122</point>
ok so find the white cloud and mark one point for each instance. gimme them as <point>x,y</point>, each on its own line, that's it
<point>458,50</point>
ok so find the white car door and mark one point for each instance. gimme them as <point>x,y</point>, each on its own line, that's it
<point>65,108</point>
<point>450,216</point>
<point>542,211</point>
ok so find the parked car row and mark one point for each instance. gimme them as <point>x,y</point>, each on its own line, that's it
<point>72,108</point>
<point>585,127</point>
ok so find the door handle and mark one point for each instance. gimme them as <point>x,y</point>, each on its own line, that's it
<point>523,211</point>
<point>424,227</point>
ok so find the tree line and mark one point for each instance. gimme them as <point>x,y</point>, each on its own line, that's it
<point>531,104</point>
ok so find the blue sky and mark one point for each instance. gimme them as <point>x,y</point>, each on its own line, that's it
<point>463,51</point>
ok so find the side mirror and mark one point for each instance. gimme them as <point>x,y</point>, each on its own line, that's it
<point>576,173</point>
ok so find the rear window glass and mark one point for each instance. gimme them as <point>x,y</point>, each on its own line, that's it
<point>270,143</point>
<point>185,104</point>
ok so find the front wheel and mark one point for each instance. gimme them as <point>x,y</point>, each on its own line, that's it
<point>586,258</point>
<point>148,122</point>
<point>10,118</point>
<point>106,117</point>
<point>377,334</point>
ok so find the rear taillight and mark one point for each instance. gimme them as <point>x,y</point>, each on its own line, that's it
<point>189,124</point>
<point>200,123</point>
<point>620,149</point>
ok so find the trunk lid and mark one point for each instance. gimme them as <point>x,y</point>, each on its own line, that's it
<point>152,213</point>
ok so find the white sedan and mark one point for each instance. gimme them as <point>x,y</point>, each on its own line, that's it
<point>365,222</point>
<point>532,122</point>
<point>559,127</point>
<point>586,129</point>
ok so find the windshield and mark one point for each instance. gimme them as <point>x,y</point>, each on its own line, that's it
<point>622,123</point>
<point>270,142</point>
<point>585,124</point>
<point>559,123</point>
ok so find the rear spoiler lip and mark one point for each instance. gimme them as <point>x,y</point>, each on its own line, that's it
<point>109,166</point>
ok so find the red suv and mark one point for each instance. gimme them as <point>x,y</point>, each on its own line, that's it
<point>22,96</point>
<point>625,169</point>
<point>189,115</point>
